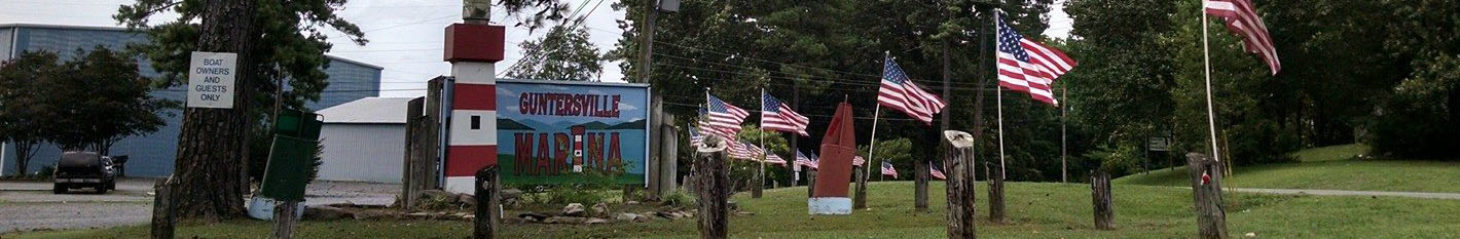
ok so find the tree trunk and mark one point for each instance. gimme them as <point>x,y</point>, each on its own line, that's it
<point>810,182</point>
<point>1206,184</point>
<point>1100,195</point>
<point>24,150</point>
<point>163,220</point>
<point>996,193</point>
<point>210,147</point>
<point>712,181</point>
<point>961,187</point>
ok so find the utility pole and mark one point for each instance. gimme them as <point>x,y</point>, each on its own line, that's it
<point>647,41</point>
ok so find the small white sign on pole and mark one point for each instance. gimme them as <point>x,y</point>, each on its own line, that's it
<point>210,80</point>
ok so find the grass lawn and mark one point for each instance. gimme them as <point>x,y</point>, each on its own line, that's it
<point>1327,168</point>
<point>1037,210</point>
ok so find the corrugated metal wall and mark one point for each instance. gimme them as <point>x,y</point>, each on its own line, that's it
<point>363,152</point>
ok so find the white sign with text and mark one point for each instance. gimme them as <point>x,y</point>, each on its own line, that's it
<point>210,80</point>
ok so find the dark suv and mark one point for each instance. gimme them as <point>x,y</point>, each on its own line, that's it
<point>84,169</point>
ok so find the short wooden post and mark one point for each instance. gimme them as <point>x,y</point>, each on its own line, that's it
<point>487,211</point>
<point>1206,184</point>
<point>668,157</point>
<point>163,219</point>
<point>959,168</point>
<point>920,185</point>
<point>284,218</point>
<point>996,193</point>
<point>414,125</point>
<point>713,181</point>
<point>810,182</point>
<point>859,200</point>
<point>1101,197</point>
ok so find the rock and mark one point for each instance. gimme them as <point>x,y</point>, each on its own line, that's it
<point>324,213</point>
<point>626,217</point>
<point>631,202</point>
<point>744,213</point>
<point>600,209</point>
<point>532,217</point>
<point>371,215</point>
<point>565,220</point>
<point>573,209</point>
<point>1250,235</point>
<point>733,207</point>
<point>466,199</point>
<point>595,221</point>
<point>665,215</point>
<point>509,194</point>
<point>642,218</point>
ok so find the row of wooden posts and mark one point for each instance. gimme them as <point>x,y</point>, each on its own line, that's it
<point>711,183</point>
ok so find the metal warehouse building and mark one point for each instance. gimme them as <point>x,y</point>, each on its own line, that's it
<point>364,140</point>
<point>153,155</point>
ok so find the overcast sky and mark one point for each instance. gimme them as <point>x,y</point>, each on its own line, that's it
<point>405,35</point>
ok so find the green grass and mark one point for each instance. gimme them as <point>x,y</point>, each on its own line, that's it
<point>1036,210</point>
<point>1326,168</point>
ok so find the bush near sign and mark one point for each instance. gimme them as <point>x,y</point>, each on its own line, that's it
<point>211,78</point>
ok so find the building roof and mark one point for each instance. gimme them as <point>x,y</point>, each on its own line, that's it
<point>124,29</point>
<point>369,110</point>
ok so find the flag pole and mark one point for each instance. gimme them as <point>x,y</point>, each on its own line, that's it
<point>999,94</point>
<point>876,114</point>
<point>1207,61</point>
<point>764,151</point>
<point>1064,140</point>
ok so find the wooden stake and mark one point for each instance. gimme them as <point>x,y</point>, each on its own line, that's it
<point>960,186</point>
<point>1206,183</point>
<point>712,179</point>
<point>1100,196</point>
<point>488,210</point>
<point>284,219</point>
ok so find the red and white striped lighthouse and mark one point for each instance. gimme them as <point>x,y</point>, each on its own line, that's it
<point>472,48</point>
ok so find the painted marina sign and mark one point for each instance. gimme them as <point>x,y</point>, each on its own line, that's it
<point>557,132</point>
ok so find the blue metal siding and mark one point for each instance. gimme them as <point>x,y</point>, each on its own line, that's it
<point>153,155</point>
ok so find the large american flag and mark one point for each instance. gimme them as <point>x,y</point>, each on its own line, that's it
<point>776,115</point>
<point>1028,66</point>
<point>772,158</point>
<point>695,138</point>
<point>740,150</point>
<point>898,92</point>
<point>802,160</point>
<point>723,119</point>
<point>1242,19</point>
<point>938,174</point>
<point>888,170</point>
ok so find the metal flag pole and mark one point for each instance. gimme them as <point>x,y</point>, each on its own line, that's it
<point>1064,141</point>
<point>1207,61</point>
<point>764,151</point>
<point>876,114</point>
<point>1000,98</point>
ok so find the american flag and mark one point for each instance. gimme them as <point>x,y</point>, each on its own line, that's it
<point>898,92</point>
<point>1242,19</point>
<point>1028,66</point>
<point>772,158</point>
<point>858,161</point>
<point>802,160</point>
<point>695,138</point>
<point>776,115</point>
<point>739,150</point>
<point>938,174</point>
<point>723,119</point>
<point>887,169</point>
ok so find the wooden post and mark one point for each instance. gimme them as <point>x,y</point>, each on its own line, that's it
<point>163,219</point>
<point>996,193</point>
<point>1206,184</point>
<point>958,162</point>
<point>920,185</point>
<point>810,182</point>
<point>284,218</point>
<point>713,181</point>
<point>488,210</point>
<point>656,147</point>
<point>426,168</point>
<point>1101,197</point>
<point>859,201</point>
<point>669,156</point>
<point>414,127</point>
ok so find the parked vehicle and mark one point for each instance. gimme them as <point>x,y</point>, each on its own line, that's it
<point>83,170</point>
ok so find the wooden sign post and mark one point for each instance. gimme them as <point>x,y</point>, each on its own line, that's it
<point>1206,185</point>
<point>712,179</point>
<point>487,210</point>
<point>960,186</point>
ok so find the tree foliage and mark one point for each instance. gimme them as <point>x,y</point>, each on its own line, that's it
<point>563,54</point>
<point>26,111</point>
<point>104,99</point>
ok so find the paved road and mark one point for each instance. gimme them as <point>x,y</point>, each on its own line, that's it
<point>28,206</point>
<point>1323,192</point>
